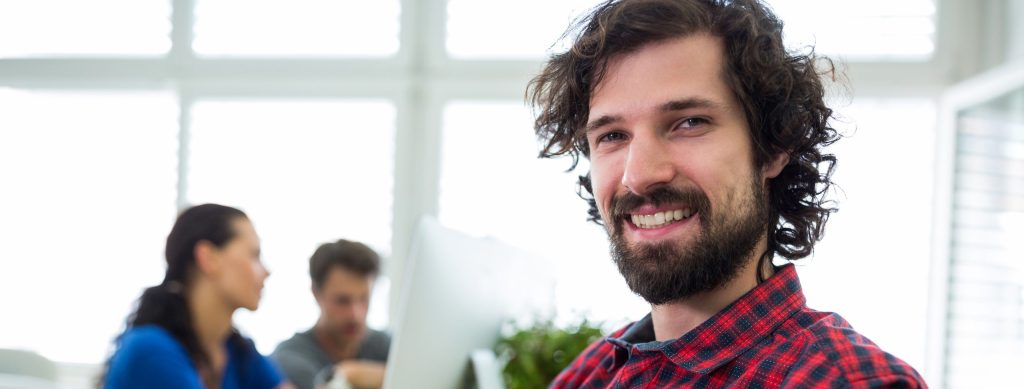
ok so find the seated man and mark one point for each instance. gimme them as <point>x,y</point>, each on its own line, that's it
<point>339,344</point>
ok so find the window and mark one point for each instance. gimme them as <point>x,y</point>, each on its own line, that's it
<point>476,32</point>
<point>493,184</point>
<point>861,30</point>
<point>88,194</point>
<point>273,28</point>
<point>872,265</point>
<point>84,28</point>
<point>306,172</point>
<point>359,145</point>
<point>984,336</point>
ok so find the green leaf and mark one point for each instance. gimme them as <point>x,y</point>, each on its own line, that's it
<point>535,354</point>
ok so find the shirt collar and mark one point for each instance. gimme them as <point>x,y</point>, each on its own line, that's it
<point>728,333</point>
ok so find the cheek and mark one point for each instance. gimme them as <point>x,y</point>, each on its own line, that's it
<point>722,179</point>
<point>342,313</point>
<point>604,180</point>
<point>258,271</point>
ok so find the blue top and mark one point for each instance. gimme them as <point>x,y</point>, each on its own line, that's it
<point>149,357</point>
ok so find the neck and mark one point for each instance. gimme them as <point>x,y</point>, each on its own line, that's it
<point>673,320</point>
<point>336,347</point>
<point>211,316</point>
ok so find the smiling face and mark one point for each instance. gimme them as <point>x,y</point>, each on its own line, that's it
<point>672,170</point>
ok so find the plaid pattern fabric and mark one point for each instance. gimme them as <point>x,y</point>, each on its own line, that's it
<point>766,339</point>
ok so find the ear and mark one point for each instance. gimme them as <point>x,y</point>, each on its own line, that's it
<point>774,167</point>
<point>207,260</point>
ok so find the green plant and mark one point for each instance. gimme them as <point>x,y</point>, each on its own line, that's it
<point>534,355</point>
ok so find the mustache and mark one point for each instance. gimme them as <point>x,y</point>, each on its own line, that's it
<point>622,205</point>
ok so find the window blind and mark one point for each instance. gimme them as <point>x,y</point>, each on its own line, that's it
<point>985,328</point>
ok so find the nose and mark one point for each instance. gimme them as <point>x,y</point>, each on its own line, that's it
<point>263,271</point>
<point>359,310</point>
<point>648,164</point>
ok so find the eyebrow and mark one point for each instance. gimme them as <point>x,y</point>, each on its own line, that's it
<point>674,105</point>
<point>601,122</point>
<point>693,102</point>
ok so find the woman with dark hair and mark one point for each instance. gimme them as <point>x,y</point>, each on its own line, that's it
<point>180,335</point>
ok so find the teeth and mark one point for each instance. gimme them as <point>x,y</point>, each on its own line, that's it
<point>661,218</point>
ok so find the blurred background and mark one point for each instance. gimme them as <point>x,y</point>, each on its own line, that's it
<point>325,119</point>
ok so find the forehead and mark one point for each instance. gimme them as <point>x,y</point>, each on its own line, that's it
<point>342,280</point>
<point>244,229</point>
<point>686,67</point>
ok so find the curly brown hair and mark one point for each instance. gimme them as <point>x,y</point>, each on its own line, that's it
<point>781,93</point>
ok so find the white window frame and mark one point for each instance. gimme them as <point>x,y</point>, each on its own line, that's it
<point>958,98</point>
<point>420,79</point>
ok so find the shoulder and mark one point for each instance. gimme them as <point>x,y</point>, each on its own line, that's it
<point>148,356</point>
<point>243,347</point>
<point>376,345</point>
<point>593,366</point>
<point>148,339</point>
<point>299,341</point>
<point>299,350</point>
<point>251,367</point>
<point>300,358</point>
<point>379,337</point>
<point>834,352</point>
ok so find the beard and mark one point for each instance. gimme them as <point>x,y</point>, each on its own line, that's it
<point>670,271</point>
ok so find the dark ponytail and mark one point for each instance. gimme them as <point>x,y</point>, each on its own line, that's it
<point>166,305</point>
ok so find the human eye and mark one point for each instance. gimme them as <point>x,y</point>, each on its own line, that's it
<point>692,123</point>
<point>611,136</point>
<point>691,126</point>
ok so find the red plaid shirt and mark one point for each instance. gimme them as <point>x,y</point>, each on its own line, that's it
<point>766,339</point>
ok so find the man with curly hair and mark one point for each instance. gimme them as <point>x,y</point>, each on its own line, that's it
<point>705,140</point>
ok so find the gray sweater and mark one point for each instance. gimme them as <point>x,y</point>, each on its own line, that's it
<point>302,359</point>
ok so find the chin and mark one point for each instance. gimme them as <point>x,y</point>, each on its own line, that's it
<point>252,306</point>
<point>353,336</point>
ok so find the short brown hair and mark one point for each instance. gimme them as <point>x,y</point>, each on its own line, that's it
<point>351,256</point>
<point>781,94</point>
